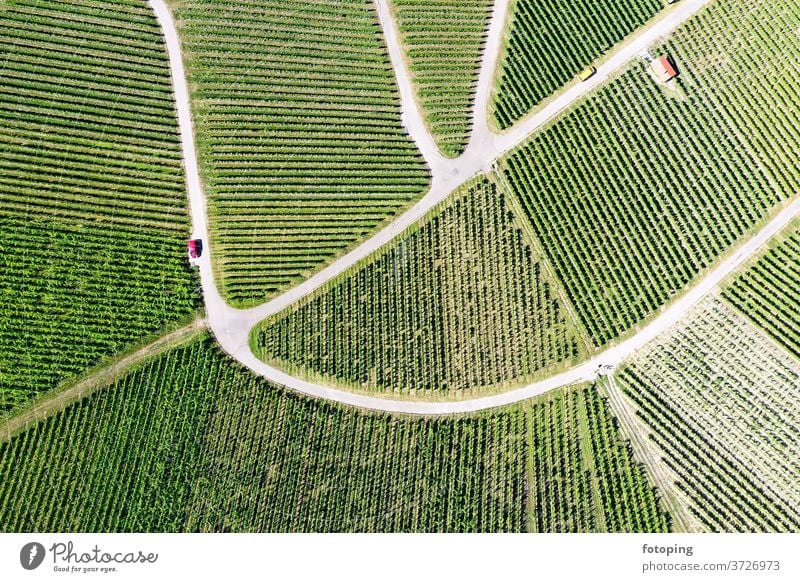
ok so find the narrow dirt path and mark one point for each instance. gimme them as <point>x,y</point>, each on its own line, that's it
<point>60,398</point>
<point>232,327</point>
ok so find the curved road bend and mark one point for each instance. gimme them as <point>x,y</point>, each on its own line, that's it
<point>232,326</point>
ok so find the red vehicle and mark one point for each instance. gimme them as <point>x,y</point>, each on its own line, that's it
<point>195,248</point>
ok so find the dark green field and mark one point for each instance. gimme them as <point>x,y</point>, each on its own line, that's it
<point>93,219</point>
<point>191,442</point>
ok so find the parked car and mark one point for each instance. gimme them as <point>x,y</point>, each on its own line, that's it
<point>195,248</point>
<point>587,73</point>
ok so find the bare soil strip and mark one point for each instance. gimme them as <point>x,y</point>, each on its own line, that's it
<point>646,452</point>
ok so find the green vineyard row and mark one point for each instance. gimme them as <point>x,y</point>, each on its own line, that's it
<point>297,117</point>
<point>459,303</point>
<point>192,442</point>
<point>93,219</point>
<point>768,292</point>
<point>642,187</point>
<point>443,41</point>
<point>548,42</point>
<point>723,406</point>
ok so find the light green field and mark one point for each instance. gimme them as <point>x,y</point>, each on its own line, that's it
<point>297,117</point>
<point>640,188</point>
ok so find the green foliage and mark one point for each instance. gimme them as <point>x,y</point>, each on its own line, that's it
<point>460,303</point>
<point>723,405</point>
<point>769,291</point>
<point>192,442</point>
<point>93,218</point>
<point>443,41</point>
<point>582,473</point>
<point>638,189</point>
<point>549,41</point>
<point>298,125</point>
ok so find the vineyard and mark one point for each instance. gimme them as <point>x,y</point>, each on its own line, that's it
<point>582,473</point>
<point>460,303</point>
<point>92,204</point>
<point>638,190</point>
<point>547,42</point>
<point>298,127</point>
<point>443,41</point>
<point>191,442</point>
<point>769,291</point>
<point>723,404</point>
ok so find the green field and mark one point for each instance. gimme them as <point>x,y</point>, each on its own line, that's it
<point>191,442</point>
<point>297,117</point>
<point>443,41</point>
<point>581,474</point>
<point>547,42</point>
<point>723,405</point>
<point>458,304</point>
<point>93,220</point>
<point>640,188</point>
<point>768,292</point>
<point>571,240</point>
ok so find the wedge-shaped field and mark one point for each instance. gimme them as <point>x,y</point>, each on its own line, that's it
<point>93,220</point>
<point>192,442</point>
<point>461,303</point>
<point>297,118</point>
<point>768,292</point>
<point>443,40</point>
<point>641,187</point>
<point>723,404</point>
<point>547,42</point>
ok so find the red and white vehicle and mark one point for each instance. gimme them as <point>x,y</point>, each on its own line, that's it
<point>195,248</point>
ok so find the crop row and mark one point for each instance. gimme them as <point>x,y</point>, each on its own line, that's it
<point>640,188</point>
<point>443,41</point>
<point>722,404</point>
<point>192,442</point>
<point>295,107</point>
<point>583,474</point>
<point>548,41</point>
<point>460,303</point>
<point>92,206</point>
<point>768,292</point>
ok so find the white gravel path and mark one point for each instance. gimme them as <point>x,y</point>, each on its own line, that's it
<point>232,326</point>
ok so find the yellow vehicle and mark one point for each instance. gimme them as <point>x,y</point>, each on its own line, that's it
<point>586,73</point>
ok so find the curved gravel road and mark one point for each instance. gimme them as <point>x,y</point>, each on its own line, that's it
<point>232,326</point>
